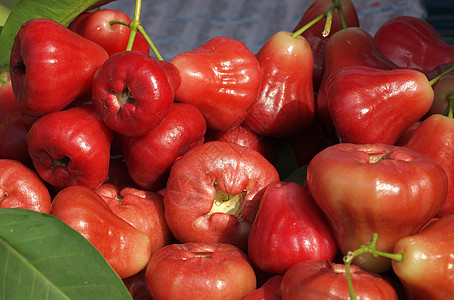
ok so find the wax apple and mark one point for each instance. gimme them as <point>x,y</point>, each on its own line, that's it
<point>213,193</point>
<point>443,89</point>
<point>289,228</point>
<point>243,135</point>
<point>426,269</point>
<point>150,157</point>
<point>367,188</point>
<point>133,92</point>
<point>412,42</point>
<point>13,133</point>
<point>370,105</point>
<point>21,187</point>
<point>314,33</point>
<point>137,287</point>
<point>199,271</point>
<point>269,290</point>
<point>352,46</point>
<point>142,209</point>
<point>322,279</point>
<point>126,248</point>
<point>285,104</point>
<point>49,71</point>
<point>221,78</point>
<point>434,137</point>
<point>96,27</point>
<point>71,147</point>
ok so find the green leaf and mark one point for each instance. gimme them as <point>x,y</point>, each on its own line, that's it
<point>62,11</point>
<point>43,258</point>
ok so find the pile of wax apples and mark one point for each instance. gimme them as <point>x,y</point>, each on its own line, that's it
<point>169,168</point>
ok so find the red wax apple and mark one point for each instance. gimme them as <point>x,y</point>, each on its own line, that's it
<point>126,248</point>
<point>352,46</point>
<point>133,92</point>
<point>370,105</point>
<point>21,187</point>
<point>269,290</point>
<point>322,279</point>
<point>412,42</point>
<point>314,34</point>
<point>426,268</point>
<point>443,89</point>
<point>96,27</point>
<point>150,157</point>
<point>434,137</point>
<point>49,71</point>
<point>364,189</point>
<point>213,193</point>
<point>221,78</point>
<point>199,271</point>
<point>285,104</point>
<point>142,209</point>
<point>289,228</point>
<point>13,133</point>
<point>243,135</point>
<point>137,287</point>
<point>71,147</point>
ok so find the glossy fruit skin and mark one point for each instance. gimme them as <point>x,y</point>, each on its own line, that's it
<point>199,176</point>
<point>49,71</point>
<point>413,43</point>
<point>369,105</point>
<point>352,46</point>
<point>285,104</point>
<point>323,279</point>
<point>434,138</point>
<point>221,78</point>
<point>199,271</point>
<point>133,92</point>
<point>126,248</point>
<point>314,33</point>
<point>269,290</point>
<point>21,187</point>
<point>289,228</point>
<point>71,147</point>
<point>150,157</point>
<point>426,269</point>
<point>142,209</point>
<point>113,38</point>
<point>13,133</point>
<point>374,188</point>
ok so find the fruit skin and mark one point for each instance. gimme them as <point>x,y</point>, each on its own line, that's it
<point>426,269</point>
<point>374,188</point>
<point>369,105</point>
<point>71,147</point>
<point>412,42</point>
<point>150,157</point>
<point>221,78</point>
<point>199,271</point>
<point>213,193</point>
<point>289,228</point>
<point>126,248</point>
<point>21,187</point>
<point>314,33</point>
<point>434,137</point>
<point>49,71</point>
<point>285,104</point>
<point>323,279</point>
<point>113,38</point>
<point>133,92</point>
<point>269,290</point>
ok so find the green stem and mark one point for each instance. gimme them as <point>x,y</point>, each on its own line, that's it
<point>134,25</point>
<point>341,13</point>
<point>327,28</point>
<point>363,249</point>
<point>449,110</point>
<point>434,80</point>
<point>150,42</point>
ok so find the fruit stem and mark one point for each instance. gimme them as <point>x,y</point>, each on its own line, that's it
<point>449,110</point>
<point>434,80</point>
<point>328,14</point>
<point>362,249</point>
